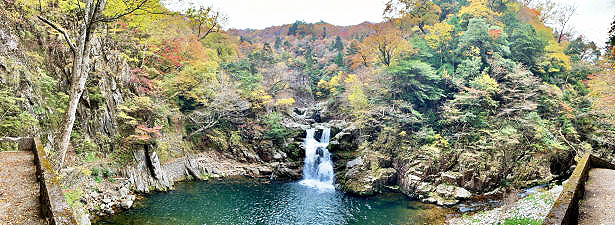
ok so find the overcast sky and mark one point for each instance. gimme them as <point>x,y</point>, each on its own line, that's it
<point>592,19</point>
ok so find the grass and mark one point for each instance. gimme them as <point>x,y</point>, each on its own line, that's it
<point>72,197</point>
<point>90,157</point>
<point>522,221</point>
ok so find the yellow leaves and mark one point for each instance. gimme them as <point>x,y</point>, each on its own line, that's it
<point>477,9</point>
<point>386,44</point>
<point>329,87</point>
<point>259,98</point>
<point>411,13</point>
<point>356,97</point>
<point>555,59</point>
<point>485,83</point>
<point>439,34</point>
<point>140,13</point>
<point>285,102</point>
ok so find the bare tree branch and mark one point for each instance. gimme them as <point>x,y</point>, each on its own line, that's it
<point>58,28</point>
<point>127,12</point>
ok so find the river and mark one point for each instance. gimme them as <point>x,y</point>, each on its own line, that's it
<point>257,202</point>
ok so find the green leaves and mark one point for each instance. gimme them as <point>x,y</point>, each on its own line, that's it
<point>13,120</point>
<point>417,82</point>
<point>528,47</point>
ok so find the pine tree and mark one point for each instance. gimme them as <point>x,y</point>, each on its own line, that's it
<point>339,45</point>
<point>278,43</point>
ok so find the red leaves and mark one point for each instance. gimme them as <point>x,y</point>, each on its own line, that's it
<point>494,33</point>
<point>174,52</point>
<point>140,82</point>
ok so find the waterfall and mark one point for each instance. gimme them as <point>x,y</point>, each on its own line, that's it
<point>318,168</point>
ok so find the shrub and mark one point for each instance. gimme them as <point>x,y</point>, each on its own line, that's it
<point>276,130</point>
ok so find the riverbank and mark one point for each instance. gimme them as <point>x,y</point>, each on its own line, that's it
<point>528,207</point>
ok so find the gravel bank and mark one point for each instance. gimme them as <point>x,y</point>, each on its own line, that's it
<point>531,209</point>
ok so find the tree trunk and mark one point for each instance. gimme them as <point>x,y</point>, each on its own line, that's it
<point>79,77</point>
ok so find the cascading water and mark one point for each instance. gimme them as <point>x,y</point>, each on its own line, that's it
<point>318,168</point>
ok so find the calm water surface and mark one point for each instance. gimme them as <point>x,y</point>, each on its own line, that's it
<point>244,202</point>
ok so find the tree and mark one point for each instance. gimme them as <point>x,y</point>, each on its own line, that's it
<point>476,40</point>
<point>204,20</point>
<point>439,37</point>
<point>612,35</point>
<point>386,44</point>
<point>416,82</point>
<point>579,49</point>
<point>292,30</point>
<point>563,15</point>
<point>94,13</point>
<point>339,45</point>
<point>528,48</point>
<point>278,43</point>
<point>478,9</point>
<point>547,9</point>
<point>412,12</point>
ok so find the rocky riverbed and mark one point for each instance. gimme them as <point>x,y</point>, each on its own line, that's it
<point>528,207</point>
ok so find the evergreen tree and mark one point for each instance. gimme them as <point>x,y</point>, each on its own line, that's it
<point>324,32</point>
<point>278,43</point>
<point>292,30</point>
<point>339,59</point>
<point>339,45</point>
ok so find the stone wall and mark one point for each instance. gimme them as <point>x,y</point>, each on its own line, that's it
<point>53,205</point>
<point>566,209</point>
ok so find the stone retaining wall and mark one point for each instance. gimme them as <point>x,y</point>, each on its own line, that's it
<point>565,210</point>
<point>53,205</point>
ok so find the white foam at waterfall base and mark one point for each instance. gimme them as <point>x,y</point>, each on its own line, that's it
<point>318,168</point>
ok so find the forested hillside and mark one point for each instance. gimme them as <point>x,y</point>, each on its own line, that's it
<point>474,95</point>
<point>483,89</point>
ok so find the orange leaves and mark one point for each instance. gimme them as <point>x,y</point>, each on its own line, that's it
<point>494,33</point>
<point>176,51</point>
<point>144,133</point>
<point>602,94</point>
<point>386,44</point>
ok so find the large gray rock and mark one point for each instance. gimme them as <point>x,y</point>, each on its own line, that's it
<point>146,174</point>
<point>126,203</point>
<point>355,162</point>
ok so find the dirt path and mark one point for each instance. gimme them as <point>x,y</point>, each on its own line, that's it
<point>598,204</point>
<point>19,190</point>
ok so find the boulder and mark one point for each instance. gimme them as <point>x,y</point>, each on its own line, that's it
<point>124,191</point>
<point>461,193</point>
<point>355,162</point>
<point>106,200</point>
<point>369,182</point>
<point>287,171</point>
<point>126,203</point>
<point>450,177</point>
<point>452,192</point>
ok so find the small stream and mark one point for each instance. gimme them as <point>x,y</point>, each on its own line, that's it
<point>257,202</point>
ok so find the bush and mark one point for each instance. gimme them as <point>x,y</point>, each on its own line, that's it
<point>106,172</point>
<point>95,172</point>
<point>416,82</point>
<point>276,130</point>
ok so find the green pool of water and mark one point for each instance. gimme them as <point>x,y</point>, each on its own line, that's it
<point>245,202</point>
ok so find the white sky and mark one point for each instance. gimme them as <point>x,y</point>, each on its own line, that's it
<point>592,20</point>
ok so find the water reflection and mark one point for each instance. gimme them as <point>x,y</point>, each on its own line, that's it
<point>276,203</point>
